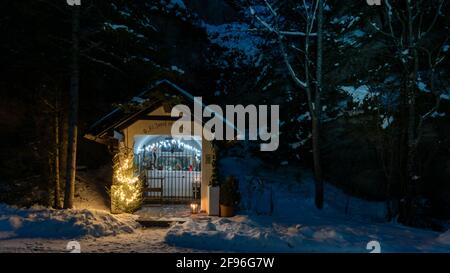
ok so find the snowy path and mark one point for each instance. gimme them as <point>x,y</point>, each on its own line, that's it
<point>142,241</point>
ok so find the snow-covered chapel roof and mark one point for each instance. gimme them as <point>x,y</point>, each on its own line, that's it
<point>143,103</point>
<point>159,93</point>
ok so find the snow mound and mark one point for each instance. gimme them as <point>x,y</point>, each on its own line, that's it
<point>48,223</point>
<point>238,234</point>
<point>259,234</point>
<point>263,234</point>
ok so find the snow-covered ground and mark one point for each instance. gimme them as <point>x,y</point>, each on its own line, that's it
<point>140,241</point>
<point>244,233</point>
<point>281,216</point>
<point>38,222</point>
<point>39,229</point>
<point>91,189</point>
<point>277,215</point>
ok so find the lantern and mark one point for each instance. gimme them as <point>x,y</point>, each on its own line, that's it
<point>195,208</point>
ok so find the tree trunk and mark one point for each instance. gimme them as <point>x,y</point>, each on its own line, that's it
<point>409,172</point>
<point>57,190</point>
<point>411,175</point>
<point>316,118</point>
<point>73,113</point>
<point>317,167</point>
<point>63,138</point>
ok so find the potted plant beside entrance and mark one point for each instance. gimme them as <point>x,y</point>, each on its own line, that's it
<point>229,197</point>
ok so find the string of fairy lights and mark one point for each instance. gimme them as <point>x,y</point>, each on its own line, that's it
<point>126,191</point>
<point>170,145</point>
